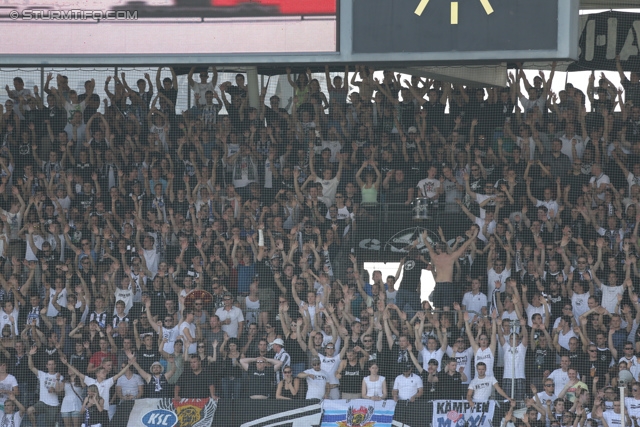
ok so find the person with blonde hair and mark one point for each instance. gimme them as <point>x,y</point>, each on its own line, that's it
<point>93,409</point>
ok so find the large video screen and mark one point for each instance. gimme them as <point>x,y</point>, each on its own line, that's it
<point>168,27</point>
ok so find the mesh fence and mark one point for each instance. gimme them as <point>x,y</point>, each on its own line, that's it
<point>137,206</point>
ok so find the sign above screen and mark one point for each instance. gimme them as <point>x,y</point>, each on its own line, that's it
<point>181,27</point>
<point>280,32</point>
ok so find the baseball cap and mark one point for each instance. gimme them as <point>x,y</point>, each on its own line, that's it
<point>277,341</point>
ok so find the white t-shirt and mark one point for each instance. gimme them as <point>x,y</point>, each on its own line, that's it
<point>428,355</point>
<point>632,180</point>
<point>474,303</point>
<point>236,316</point>
<point>152,257</point>
<point>610,296</point>
<point>481,198</point>
<point>62,301</point>
<point>560,378</point>
<point>4,320</point>
<point>6,386</point>
<point>15,223</point>
<point>482,388</point>
<point>563,339</point>
<point>598,181</point>
<point>330,365</point>
<point>551,205</point>
<point>193,347</point>
<point>580,305</point>
<point>48,381</point>
<point>12,420</point>
<point>316,386</point>
<point>171,335</point>
<point>613,419</point>
<point>428,187</point>
<point>464,360</point>
<point>329,188</point>
<point>531,310</point>
<point>491,228</point>
<point>520,351</point>
<point>38,240</point>
<point>633,406</point>
<point>407,386</point>
<point>492,277</point>
<point>201,89</point>
<point>126,296</point>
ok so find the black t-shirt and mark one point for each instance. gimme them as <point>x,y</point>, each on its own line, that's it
<point>397,191</point>
<point>171,94</point>
<point>631,91</point>
<point>539,360</point>
<point>194,386</point>
<point>576,182</point>
<point>589,369</point>
<point>451,386</point>
<point>158,387</point>
<point>260,383</point>
<point>412,270</point>
<point>147,357</point>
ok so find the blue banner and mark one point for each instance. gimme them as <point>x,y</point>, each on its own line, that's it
<point>358,412</point>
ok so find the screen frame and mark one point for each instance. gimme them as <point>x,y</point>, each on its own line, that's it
<point>567,49</point>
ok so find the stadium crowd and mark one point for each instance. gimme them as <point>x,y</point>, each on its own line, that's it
<point>146,253</point>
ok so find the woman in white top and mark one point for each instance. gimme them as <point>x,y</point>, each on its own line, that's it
<point>374,386</point>
<point>485,349</point>
<point>72,402</point>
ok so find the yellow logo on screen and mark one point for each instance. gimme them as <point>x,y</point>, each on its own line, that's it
<point>454,9</point>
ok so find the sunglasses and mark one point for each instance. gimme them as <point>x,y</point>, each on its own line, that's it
<point>287,372</point>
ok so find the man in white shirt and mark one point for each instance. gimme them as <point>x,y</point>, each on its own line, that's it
<point>599,182</point>
<point>481,387</point>
<point>50,382</point>
<point>204,85</point>
<point>408,386</point>
<point>549,393</point>
<point>560,376</point>
<point>474,301</point>
<point>430,187</point>
<point>231,317</point>
<point>497,274</point>
<point>515,356</point>
<point>317,381</point>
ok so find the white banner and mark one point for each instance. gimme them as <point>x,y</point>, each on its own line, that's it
<point>457,413</point>
<point>172,412</point>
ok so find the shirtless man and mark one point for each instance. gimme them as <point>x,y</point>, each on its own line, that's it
<point>443,296</point>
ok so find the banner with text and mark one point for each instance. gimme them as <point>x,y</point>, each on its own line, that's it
<point>358,412</point>
<point>173,413</point>
<point>606,35</point>
<point>458,413</point>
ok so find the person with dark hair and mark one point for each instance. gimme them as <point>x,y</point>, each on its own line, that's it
<point>195,383</point>
<point>50,387</point>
